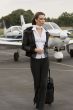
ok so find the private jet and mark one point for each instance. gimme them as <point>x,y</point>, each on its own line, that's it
<point>12,37</point>
<point>58,39</point>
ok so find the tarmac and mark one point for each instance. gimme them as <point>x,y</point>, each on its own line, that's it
<point>16,82</point>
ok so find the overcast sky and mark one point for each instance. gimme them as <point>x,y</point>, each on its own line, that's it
<point>52,8</point>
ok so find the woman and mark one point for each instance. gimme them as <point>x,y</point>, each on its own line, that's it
<point>35,42</point>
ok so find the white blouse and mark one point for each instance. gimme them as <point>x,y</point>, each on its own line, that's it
<point>39,40</point>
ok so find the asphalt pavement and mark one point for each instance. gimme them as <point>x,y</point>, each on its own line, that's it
<point>16,82</point>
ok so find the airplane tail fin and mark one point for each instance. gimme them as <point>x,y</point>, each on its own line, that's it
<point>4,28</point>
<point>22,23</point>
<point>22,20</point>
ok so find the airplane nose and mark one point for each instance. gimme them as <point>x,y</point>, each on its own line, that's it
<point>67,40</point>
<point>63,35</point>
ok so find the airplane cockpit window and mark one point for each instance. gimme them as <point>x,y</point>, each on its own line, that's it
<point>47,27</point>
<point>55,26</point>
<point>14,28</point>
<point>18,28</point>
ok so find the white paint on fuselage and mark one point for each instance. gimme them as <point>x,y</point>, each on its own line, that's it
<point>57,42</point>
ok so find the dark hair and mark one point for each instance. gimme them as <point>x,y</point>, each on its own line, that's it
<point>36,17</point>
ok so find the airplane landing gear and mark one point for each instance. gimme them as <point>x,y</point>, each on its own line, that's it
<point>69,50</point>
<point>58,56</point>
<point>16,56</point>
<point>71,53</point>
<point>59,60</point>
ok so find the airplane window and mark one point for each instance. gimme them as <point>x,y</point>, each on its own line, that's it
<point>47,27</point>
<point>55,26</point>
<point>11,37</point>
<point>14,28</point>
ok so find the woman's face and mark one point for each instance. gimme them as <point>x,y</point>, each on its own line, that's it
<point>40,20</point>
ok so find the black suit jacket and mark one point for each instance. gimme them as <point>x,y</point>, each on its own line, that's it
<point>28,43</point>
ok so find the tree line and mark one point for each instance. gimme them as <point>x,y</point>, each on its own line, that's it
<point>65,19</point>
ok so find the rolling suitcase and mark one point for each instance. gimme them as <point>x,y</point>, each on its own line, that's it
<point>50,90</point>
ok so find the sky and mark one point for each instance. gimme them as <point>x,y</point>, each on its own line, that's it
<point>51,8</point>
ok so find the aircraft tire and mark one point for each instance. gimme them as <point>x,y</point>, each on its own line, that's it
<point>59,60</point>
<point>16,56</point>
<point>71,53</point>
<point>67,47</point>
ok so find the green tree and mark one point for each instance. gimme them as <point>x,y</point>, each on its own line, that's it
<point>65,19</point>
<point>14,17</point>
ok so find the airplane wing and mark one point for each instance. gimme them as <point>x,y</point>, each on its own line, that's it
<point>11,45</point>
<point>10,39</point>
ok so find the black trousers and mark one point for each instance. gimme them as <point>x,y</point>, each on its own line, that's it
<point>39,68</point>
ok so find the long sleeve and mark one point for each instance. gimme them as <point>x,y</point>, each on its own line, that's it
<point>25,43</point>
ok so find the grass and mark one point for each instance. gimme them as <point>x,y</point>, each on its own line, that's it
<point>1,31</point>
<point>68,28</point>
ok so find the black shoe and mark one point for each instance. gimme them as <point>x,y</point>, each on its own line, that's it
<point>37,106</point>
<point>34,101</point>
